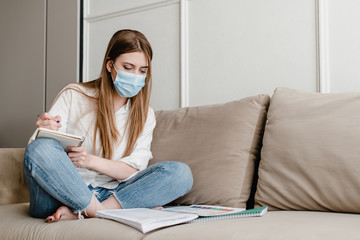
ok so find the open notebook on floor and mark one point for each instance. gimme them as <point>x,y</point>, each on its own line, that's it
<point>145,219</point>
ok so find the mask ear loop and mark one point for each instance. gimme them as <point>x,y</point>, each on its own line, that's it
<point>116,72</point>
<point>115,67</point>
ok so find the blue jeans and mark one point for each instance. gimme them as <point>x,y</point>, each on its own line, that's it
<point>53,181</point>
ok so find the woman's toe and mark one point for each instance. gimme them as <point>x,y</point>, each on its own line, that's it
<point>50,219</point>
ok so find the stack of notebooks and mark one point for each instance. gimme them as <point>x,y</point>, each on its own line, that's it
<point>146,220</point>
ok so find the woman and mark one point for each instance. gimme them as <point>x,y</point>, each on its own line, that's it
<point>109,171</point>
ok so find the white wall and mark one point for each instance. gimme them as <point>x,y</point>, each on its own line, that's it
<point>159,22</point>
<point>213,51</point>
<point>343,45</point>
<point>242,48</point>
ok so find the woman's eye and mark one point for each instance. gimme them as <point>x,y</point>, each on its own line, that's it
<point>127,67</point>
<point>143,71</point>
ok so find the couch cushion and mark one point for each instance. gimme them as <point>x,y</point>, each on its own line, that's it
<point>15,223</point>
<point>275,225</point>
<point>219,142</point>
<point>310,154</point>
<point>12,180</point>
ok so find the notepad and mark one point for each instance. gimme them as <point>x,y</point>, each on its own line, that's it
<point>65,139</point>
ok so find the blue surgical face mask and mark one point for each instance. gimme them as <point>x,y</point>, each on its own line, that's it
<point>128,84</point>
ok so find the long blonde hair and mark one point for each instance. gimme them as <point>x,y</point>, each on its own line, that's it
<point>123,41</point>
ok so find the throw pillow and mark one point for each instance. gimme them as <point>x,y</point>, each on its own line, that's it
<point>310,153</point>
<point>219,142</point>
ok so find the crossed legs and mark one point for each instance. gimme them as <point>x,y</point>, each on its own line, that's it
<point>57,191</point>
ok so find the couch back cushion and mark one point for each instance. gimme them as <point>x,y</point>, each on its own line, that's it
<point>219,142</point>
<point>13,187</point>
<point>310,159</point>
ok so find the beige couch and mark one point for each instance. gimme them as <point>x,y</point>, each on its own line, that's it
<point>308,173</point>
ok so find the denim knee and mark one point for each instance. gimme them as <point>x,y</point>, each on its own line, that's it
<point>180,175</point>
<point>37,149</point>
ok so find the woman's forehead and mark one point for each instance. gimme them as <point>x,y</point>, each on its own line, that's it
<point>135,58</point>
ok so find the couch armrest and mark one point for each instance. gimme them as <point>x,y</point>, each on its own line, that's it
<point>13,188</point>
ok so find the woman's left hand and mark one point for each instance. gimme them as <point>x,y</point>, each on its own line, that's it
<point>79,156</point>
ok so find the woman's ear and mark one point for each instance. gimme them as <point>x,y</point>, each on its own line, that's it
<point>109,65</point>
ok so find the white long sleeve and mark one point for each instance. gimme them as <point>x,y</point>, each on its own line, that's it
<point>78,117</point>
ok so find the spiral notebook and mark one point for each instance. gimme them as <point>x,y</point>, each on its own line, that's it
<point>255,212</point>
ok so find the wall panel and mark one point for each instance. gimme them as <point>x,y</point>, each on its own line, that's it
<point>221,50</point>
<point>22,69</point>
<point>343,45</point>
<point>239,48</point>
<point>62,61</point>
<point>160,24</point>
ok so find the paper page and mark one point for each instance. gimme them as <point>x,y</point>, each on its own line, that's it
<point>145,219</point>
<point>142,215</point>
<point>205,210</point>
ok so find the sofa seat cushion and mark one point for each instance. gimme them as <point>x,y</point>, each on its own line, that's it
<point>274,225</point>
<point>15,223</point>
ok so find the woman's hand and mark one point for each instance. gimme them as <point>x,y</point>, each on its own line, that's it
<point>79,156</point>
<point>48,121</point>
<point>115,169</point>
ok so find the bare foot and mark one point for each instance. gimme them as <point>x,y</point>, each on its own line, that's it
<point>62,213</point>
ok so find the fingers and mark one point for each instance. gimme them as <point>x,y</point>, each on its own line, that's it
<point>58,118</point>
<point>48,121</point>
<point>47,116</point>
<point>50,124</point>
<point>76,149</point>
<point>78,156</point>
<point>78,162</point>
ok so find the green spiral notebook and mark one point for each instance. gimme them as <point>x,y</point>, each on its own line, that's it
<point>255,212</point>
